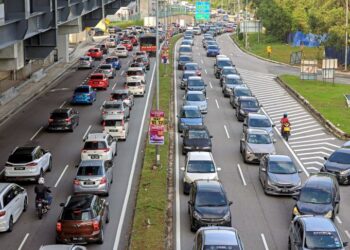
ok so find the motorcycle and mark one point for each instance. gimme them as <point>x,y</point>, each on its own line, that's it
<point>41,207</point>
<point>286,131</point>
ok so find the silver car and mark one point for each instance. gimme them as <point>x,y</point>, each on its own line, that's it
<point>62,247</point>
<point>254,144</point>
<point>279,175</point>
<point>94,176</point>
<point>196,98</point>
<point>13,201</point>
<point>115,110</point>
<point>85,62</point>
<point>259,121</point>
<point>108,70</point>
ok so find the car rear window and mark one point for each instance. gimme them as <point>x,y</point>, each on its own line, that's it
<point>108,66</point>
<point>81,90</point>
<point>112,106</point>
<point>110,60</point>
<point>93,50</point>
<point>133,84</point>
<point>121,48</point>
<point>59,115</point>
<point>96,77</point>
<point>91,145</point>
<point>113,123</point>
<point>119,96</point>
<point>89,171</point>
<point>71,214</point>
<point>135,73</point>
<point>20,158</point>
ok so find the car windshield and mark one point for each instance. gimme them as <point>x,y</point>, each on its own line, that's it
<point>315,195</point>
<point>200,167</point>
<point>191,66</point>
<point>113,123</point>
<point>259,123</point>
<point>191,113</point>
<point>96,77</point>
<point>112,106</point>
<point>249,104</point>
<point>185,59</point>
<point>195,82</point>
<point>59,115</point>
<point>208,198</point>
<point>119,96</point>
<point>340,157</point>
<point>213,47</point>
<point>242,92</point>
<point>185,49</point>
<point>195,97</point>
<point>121,48</point>
<point>20,158</point>
<point>223,63</point>
<point>322,240</point>
<point>282,167</point>
<point>92,145</point>
<point>89,171</point>
<point>84,59</point>
<point>81,90</point>
<point>259,139</point>
<point>198,134</point>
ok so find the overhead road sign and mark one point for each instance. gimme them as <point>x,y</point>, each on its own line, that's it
<point>203,10</point>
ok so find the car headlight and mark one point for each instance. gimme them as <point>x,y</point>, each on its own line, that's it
<point>270,183</point>
<point>329,214</point>
<point>196,215</point>
<point>227,216</point>
<point>242,112</point>
<point>345,172</point>
<point>296,211</point>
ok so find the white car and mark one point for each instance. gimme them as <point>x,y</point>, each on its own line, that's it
<point>135,73</point>
<point>13,201</point>
<point>121,51</point>
<point>199,166</point>
<point>110,43</point>
<point>28,163</point>
<point>136,87</point>
<point>117,128</point>
<point>115,110</point>
<point>99,146</point>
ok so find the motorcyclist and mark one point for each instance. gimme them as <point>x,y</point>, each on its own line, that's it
<point>284,121</point>
<point>43,192</point>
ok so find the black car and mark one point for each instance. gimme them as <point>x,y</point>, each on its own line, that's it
<point>63,119</point>
<point>196,138</point>
<point>238,92</point>
<point>320,195</point>
<point>208,205</point>
<point>103,48</point>
<point>338,164</point>
<point>183,59</point>
<point>220,63</point>
<point>227,70</point>
<point>246,104</point>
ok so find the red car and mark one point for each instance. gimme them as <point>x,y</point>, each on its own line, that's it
<point>99,81</point>
<point>133,40</point>
<point>95,53</point>
<point>127,44</point>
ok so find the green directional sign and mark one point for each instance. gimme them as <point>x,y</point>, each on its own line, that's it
<point>203,10</point>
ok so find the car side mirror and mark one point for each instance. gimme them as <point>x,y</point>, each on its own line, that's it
<point>295,197</point>
<point>345,244</point>
<point>182,169</point>
<point>260,105</point>
<point>211,136</point>
<point>263,169</point>
<point>182,136</point>
<point>300,171</point>
<point>190,203</point>
<point>230,203</point>
<point>326,158</point>
<point>218,169</point>
<point>273,125</point>
<point>245,125</point>
<point>207,98</point>
<point>77,165</point>
<point>62,204</point>
<point>274,141</point>
<point>242,140</point>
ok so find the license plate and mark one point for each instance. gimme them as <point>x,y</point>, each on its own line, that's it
<point>89,183</point>
<point>77,238</point>
<point>285,191</point>
<point>113,130</point>
<point>94,156</point>
<point>19,168</point>
<point>96,82</point>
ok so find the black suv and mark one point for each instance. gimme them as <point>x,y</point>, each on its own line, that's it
<point>320,195</point>
<point>339,165</point>
<point>196,138</point>
<point>245,105</point>
<point>63,119</point>
<point>208,205</point>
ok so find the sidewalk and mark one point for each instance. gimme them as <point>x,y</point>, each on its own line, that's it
<point>27,90</point>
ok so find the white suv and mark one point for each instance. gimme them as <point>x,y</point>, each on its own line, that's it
<point>13,201</point>
<point>99,146</point>
<point>117,128</point>
<point>28,163</point>
<point>120,51</point>
<point>199,166</point>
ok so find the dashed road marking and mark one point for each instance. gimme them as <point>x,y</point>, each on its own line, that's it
<point>264,242</point>
<point>241,174</point>
<point>217,104</point>
<point>23,241</point>
<point>36,133</point>
<point>59,178</point>
<point>227,134</point>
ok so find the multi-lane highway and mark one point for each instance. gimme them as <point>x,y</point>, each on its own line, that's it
<point>262,221</point>
<point>28,125</point>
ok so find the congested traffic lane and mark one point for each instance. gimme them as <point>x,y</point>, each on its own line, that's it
<point>65,148</point>
<point>262,221</point>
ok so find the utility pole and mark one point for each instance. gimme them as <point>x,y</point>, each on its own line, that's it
<point>346,33</point>
<point>157,74</point>
<point>245,24</point>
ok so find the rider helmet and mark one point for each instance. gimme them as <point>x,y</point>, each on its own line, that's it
<point>41,180</point>
<point>285,115</point>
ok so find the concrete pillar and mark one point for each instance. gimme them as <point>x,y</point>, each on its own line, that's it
<point>144,6</point>
<point>63,47</point>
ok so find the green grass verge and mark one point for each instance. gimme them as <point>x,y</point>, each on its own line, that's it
<point>280,52</point>
<point>326,98</point>
<point>149,225</point>
<point>125,24</point>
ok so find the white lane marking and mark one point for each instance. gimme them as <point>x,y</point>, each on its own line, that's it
<point>316,144</point>
<point>316,148</point>
<point>217,104</point>
<point>205,71</point>
<point>63,104</point>
<point>202,61</point>
<point>280,111</point>
<point>313,157</point>
<point>298,113</point>
<point>241,174</point>
<point>313,162</point>
<point>211,86</point>
<point>338,219</point>
<point>264,242</point>
<point>86,133</point>
<point>302,118</point>
<point>23,241</point>
<point>303,124</point>
<point>102,105</point>
<point>122,73</point>
<point>133,166</point>
<point>302,128</point>
<point>306,136</point>
<point>313,168</point>
<point>59,178</point>
<point>307,131</point>
<point>227,134</point>
<point>36,133</point>
<point>317,140</point>
<point>279,100</point>
<point>115,85</point>
<point>312,153</point>
<point>347,233</point>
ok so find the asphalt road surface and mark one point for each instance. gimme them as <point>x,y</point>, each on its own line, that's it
<point>28,125</point>
<point>262,221</point>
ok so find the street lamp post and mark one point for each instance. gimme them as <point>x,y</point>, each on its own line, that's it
<point>346,33</point>
<point>157,74</point>
<point>245,23</point>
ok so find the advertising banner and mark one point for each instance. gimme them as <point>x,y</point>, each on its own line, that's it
<point>156,127</point>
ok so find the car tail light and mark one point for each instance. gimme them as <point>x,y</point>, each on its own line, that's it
<point>68,119</point>
<point>76,182</point>
<point>95,225</point>
<point>32,164</point>
<point>104,112</point>
<point>106,150</point>
<point>58,227</point>
<point>103,123</point>
<point>50,120</point>
<point>83,151</point>
<point>2,213</point>
<point>103,180</point>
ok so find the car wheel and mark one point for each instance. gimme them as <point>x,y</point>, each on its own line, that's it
<point>289,245</point>
<point>10,224</point>
<point>25,204</point>
<point>101,237</point>
<point>49,168</point>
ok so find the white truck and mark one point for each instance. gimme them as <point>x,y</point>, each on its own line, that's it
<point>149,21</point>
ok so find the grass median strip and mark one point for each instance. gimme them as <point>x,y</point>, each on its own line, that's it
<point>325,97</point>
<point>149,225</point>
<point>126,23</point>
